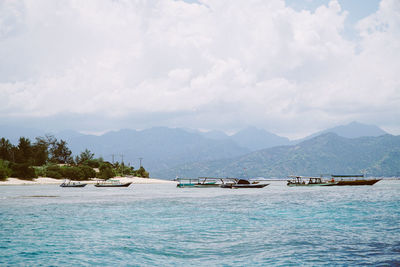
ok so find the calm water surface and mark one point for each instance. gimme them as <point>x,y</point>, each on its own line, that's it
<point>147,225</point>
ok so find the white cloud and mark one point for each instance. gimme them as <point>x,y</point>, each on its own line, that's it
<point>217,64</point>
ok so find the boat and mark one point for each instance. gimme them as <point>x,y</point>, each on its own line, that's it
<point>308,181</point>
<point>69,183</point>
<point>112,183</point>
<point>242,183</point>
<point>355,179</point>
<point>201,182</point>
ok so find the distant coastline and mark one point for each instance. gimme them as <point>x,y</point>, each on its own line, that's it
<point>49,181</point>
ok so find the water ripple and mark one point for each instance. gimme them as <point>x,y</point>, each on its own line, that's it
<point>163,225</point>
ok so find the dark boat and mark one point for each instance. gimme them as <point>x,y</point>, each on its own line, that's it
<point>242,183</point>
<point>112,183</point>
<point>69,183</point>
<point>353,180</point>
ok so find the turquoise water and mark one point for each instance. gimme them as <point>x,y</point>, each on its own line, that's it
<point>147,225</point>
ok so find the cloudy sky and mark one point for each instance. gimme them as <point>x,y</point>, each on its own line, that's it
<point>291,67</point>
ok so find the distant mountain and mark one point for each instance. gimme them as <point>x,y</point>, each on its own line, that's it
<point>326,153</point>
<point>251,138</point>
<point>160,147</point>
<point>217,154</point>
<point>13,133</point>
<point>218,135</point>
<point>351,130</point>
<point>256,139</point>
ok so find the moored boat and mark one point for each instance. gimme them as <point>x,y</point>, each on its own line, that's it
<point>69,183</point>
<point>309,181</point>
<point>242,183</point>
<point>112,183</point>
<point>201,182</point>
<point>357,179</point>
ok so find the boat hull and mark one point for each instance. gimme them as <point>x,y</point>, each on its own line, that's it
<point>197,185</point>
<point>358,182</point>
<point>113,185</point>
<point>237,186</point>
<point>323,184</point>
<point>75,185</point>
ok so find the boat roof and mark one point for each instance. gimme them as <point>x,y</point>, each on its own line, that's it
<point>304,177</point>
<point>347,175</point>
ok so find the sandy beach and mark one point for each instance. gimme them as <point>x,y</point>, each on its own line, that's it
<point>46,180</point>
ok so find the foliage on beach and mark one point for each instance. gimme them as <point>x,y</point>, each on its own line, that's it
<point>52,158</point>
<point>4,170</point>
<point>141,172</point>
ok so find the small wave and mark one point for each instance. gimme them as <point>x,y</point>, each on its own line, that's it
<point>40,196</point>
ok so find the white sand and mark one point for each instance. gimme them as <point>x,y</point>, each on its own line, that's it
<point>45,180</point>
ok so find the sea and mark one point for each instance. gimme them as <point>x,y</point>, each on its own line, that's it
<point>162,225</point>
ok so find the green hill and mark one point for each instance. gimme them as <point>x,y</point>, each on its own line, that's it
<point>326,153</point>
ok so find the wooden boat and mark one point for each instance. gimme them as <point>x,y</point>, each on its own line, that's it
<point>353,180</point>
<point>112,183</point>
<point>242,183</point>
<point>201,182</point>
<point>309,181</point>
<point>69,183</point>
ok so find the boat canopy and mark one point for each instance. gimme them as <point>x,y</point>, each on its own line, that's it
<point>347,175</point>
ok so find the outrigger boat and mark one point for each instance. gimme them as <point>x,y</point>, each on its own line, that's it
<point>112,183</point>
<point>242,183</point>
<point>69,183</point>
<point>201,182</point>
<point>309,181</point>
<point>353,180</point>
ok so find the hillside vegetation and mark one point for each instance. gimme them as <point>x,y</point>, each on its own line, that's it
<point>324,154</point>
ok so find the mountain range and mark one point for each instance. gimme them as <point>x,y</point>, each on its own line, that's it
<point>327,153</point>
<point>167,152</point>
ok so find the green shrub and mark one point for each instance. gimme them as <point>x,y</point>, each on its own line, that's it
<point>23,171</point>
<point>55,168</point>
<point>5,172</point>
<point>106,172</point>
<point>94,163</point>
<point>72,173</point>
<point>141,172</point>
<point>54,171</point>
<point>53,174</point>
<point>40,171</point>
<point>87,171</point>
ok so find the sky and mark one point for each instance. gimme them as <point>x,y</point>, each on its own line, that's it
<point>291,67</point>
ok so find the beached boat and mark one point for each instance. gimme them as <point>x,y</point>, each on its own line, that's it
<point>69,183</point>
<point>112,183</point>
<point>357,179</point>
<point>201,182</point>
<point>242,183</point>
<point>309,181</point>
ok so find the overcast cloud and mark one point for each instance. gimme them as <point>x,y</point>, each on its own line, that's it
<point>101,65</point>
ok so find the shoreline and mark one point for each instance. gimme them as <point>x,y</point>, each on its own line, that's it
<point>52,181</point>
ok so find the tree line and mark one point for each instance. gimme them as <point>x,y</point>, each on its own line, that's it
<point>49,157</point>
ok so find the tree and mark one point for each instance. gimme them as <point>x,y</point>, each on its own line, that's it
<point>24,151</point>
<point>40,151</point>
<point>84,157</point>
<point>106,171</point>
<point>6,149</point>
<point>60,153</point>
<point>141,172</point>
